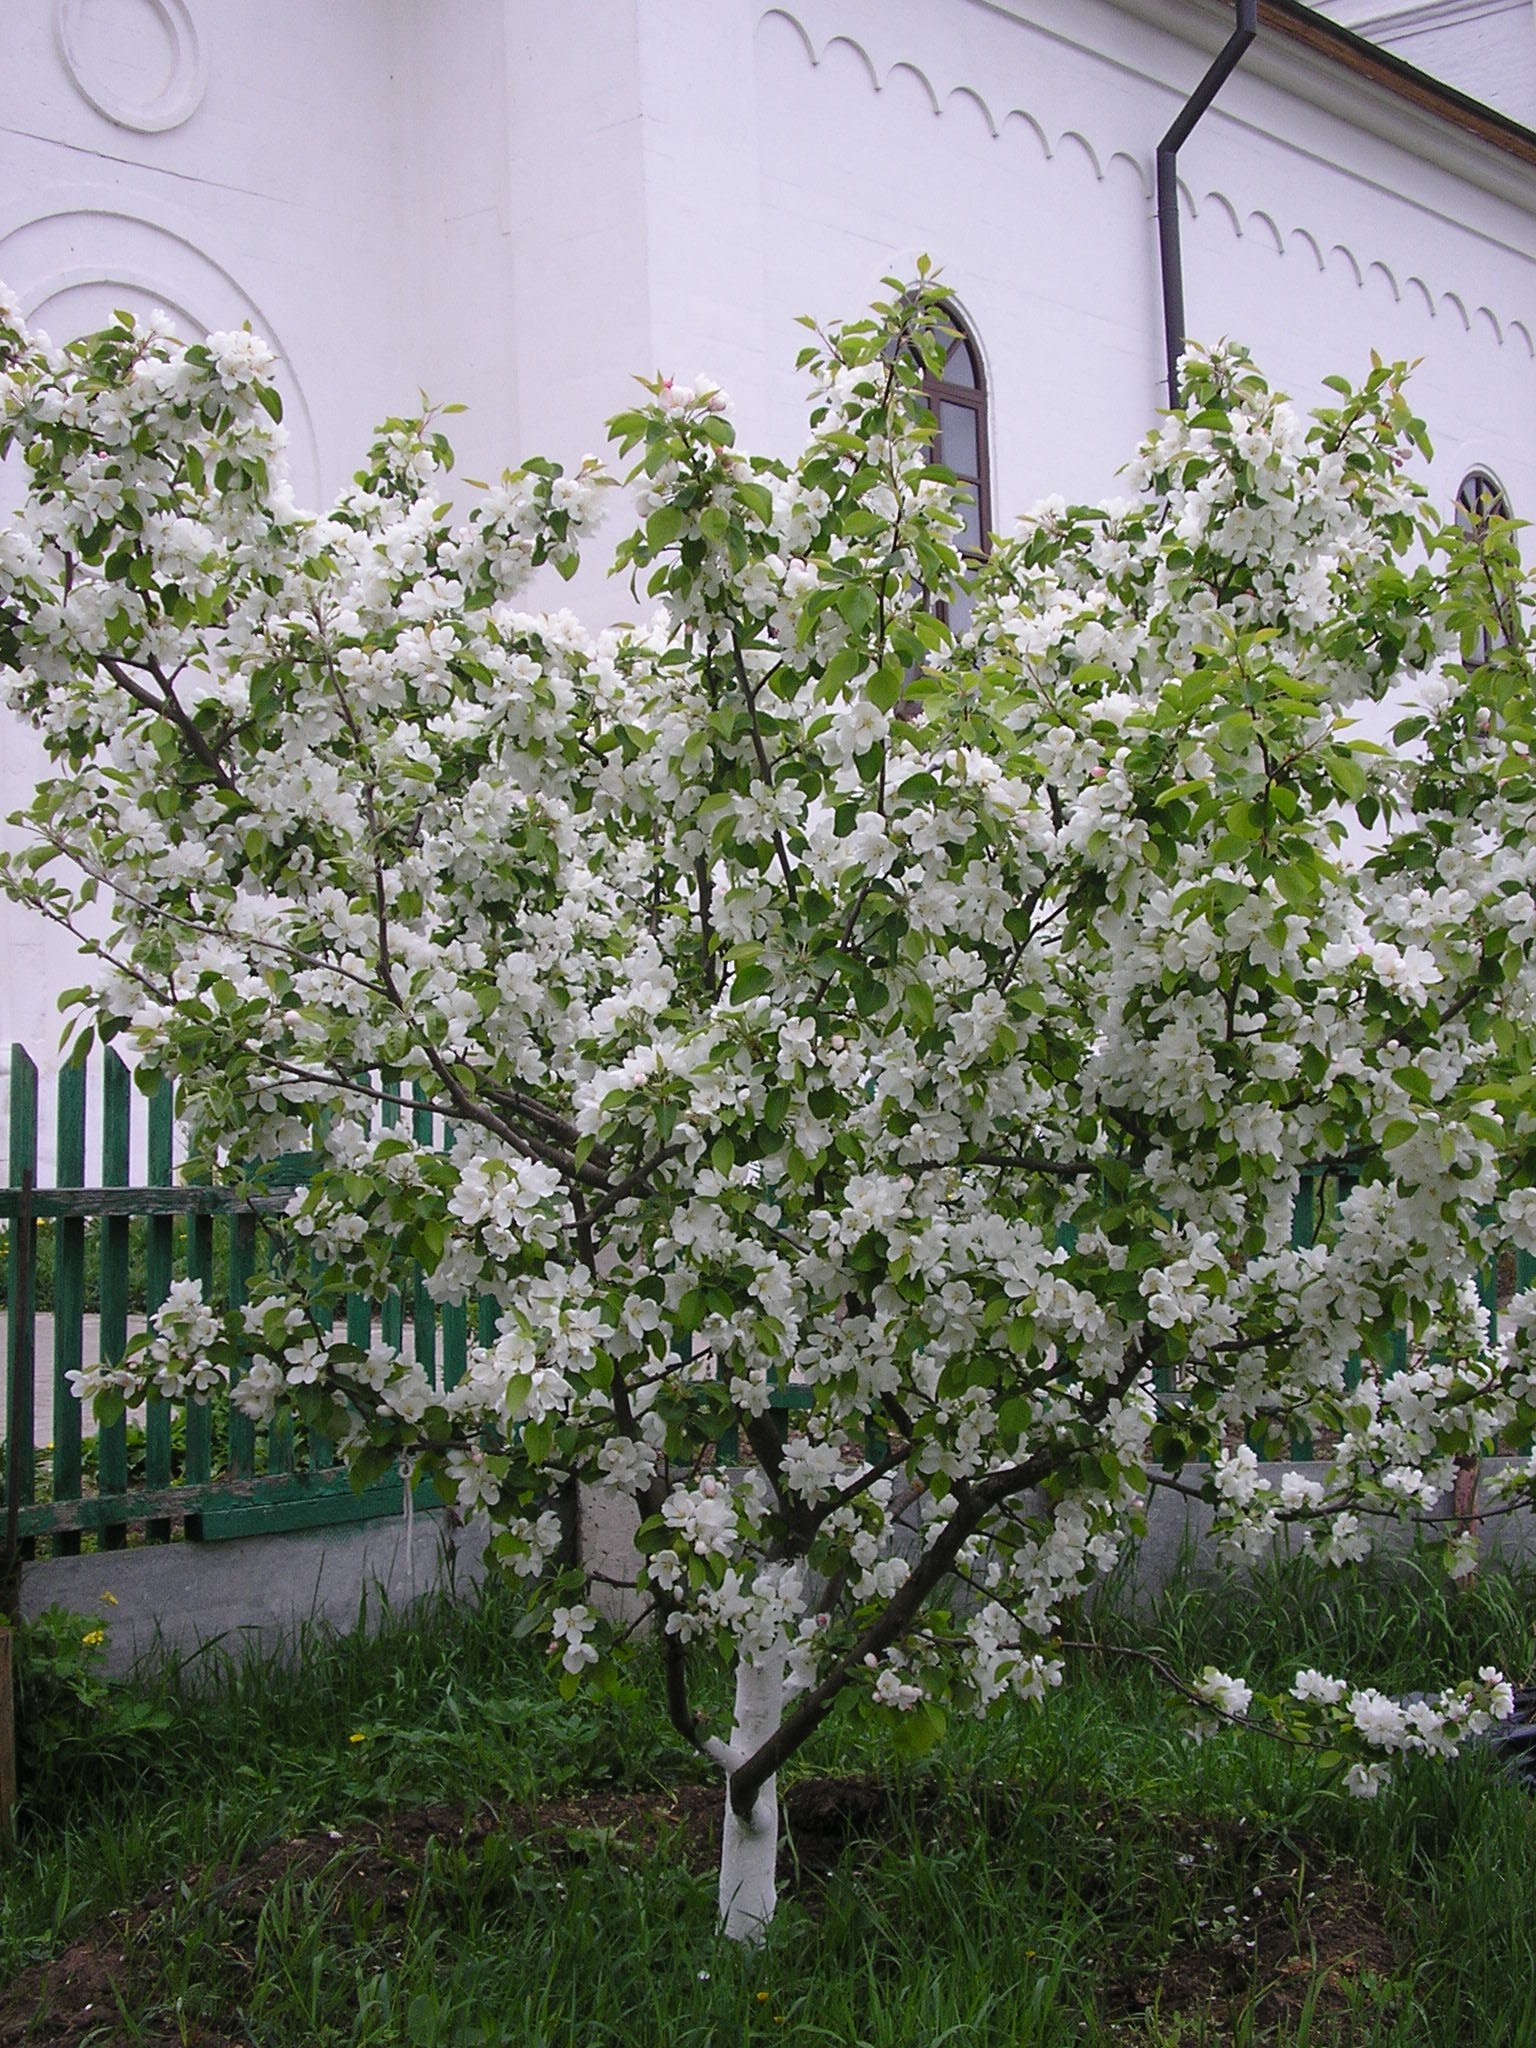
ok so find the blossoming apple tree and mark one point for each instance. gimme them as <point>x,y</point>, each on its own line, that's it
<point>1056,1050</point>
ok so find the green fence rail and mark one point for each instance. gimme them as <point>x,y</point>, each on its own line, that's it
<point>107,1252</point>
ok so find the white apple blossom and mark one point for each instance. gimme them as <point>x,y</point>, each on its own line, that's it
<point>1226,1694</point>
<point>1365,1781</point>
<point>1314,1685</point>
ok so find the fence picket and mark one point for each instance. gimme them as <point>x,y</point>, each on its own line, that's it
<point>453,1318</point>
<point>199,1414</point>
<point>68,1299</point>
<point>322,1452</point>
<point>423,1308</point>
<point>159,1256</point>
<point>20,1465</point>
<point>360,1321</point>
<point>392,1307</point>
<point>112,1438</point>
<point>240,1268</point>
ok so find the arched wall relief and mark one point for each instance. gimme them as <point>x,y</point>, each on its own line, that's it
<point>1087,150</point>
<point>1018,118</point>
<point>1015,123</point>
<point>143,70</point>
<point>910,72</point>
<point>964,96</point>
<point>68,302</point>
<point>71,270</point>
<point>1383,271</point>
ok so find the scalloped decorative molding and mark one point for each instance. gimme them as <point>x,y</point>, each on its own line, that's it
<point>958,96</point>
<point>1282,242</point>
<point>178,98</point>
<point>1473,318</point>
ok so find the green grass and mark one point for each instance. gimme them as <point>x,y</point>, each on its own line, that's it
<point>1080,1874</point>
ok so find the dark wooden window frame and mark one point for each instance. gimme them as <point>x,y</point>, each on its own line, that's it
<point>1480,499</point>
<point>939,391</point>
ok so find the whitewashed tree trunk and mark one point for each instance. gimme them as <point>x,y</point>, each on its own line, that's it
<point>749,1847</point>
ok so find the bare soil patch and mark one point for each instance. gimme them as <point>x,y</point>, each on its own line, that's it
<point>1297,1931</point>
<point>1293,1934</point>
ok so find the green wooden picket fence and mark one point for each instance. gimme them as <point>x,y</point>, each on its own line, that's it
<point>199,1469</point>
<point>202,1469</point>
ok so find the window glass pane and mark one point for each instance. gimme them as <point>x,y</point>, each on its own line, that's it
<point>960,609</point>
<point>957,438</point>
<point>969,536</point>
<point>958,367</point>
<point>1479,500</point>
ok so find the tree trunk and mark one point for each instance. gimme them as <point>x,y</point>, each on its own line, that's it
<point>1464,1504</point>
<point>749,1845</point>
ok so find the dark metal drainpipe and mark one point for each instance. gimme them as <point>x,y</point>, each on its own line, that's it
<point>1227,61</point>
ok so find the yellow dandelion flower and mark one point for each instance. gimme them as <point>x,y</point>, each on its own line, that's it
<point>110,1599</point>
<point>93,1636</point>
<point>358,1737</point>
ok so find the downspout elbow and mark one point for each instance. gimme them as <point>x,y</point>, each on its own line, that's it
<point>1168,227</point>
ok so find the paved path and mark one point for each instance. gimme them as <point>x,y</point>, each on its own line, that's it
<point>42,1374</point>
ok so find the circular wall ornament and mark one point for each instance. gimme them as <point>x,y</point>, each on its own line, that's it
<point>138,62</point>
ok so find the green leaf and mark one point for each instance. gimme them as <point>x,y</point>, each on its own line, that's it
<point>884,687</point>
<point>1346,773</point>
<point>843,667</point>
<point>1297,884</point>
<point>1014,1418</point>
<point>753,979</point>
<point>668,523</point>
<point>918,1730</point>
<point>918,1005</point>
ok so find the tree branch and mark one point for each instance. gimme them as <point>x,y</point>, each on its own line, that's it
<point>167,706</point>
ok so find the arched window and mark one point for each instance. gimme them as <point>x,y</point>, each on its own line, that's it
<point>956,395</point>
<point>1479,502</point>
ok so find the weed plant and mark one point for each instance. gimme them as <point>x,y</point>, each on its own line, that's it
<point>1047,1877</point>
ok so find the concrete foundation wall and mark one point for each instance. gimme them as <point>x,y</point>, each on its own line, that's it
<point>257,1593</point>
<point>260,1592</point>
